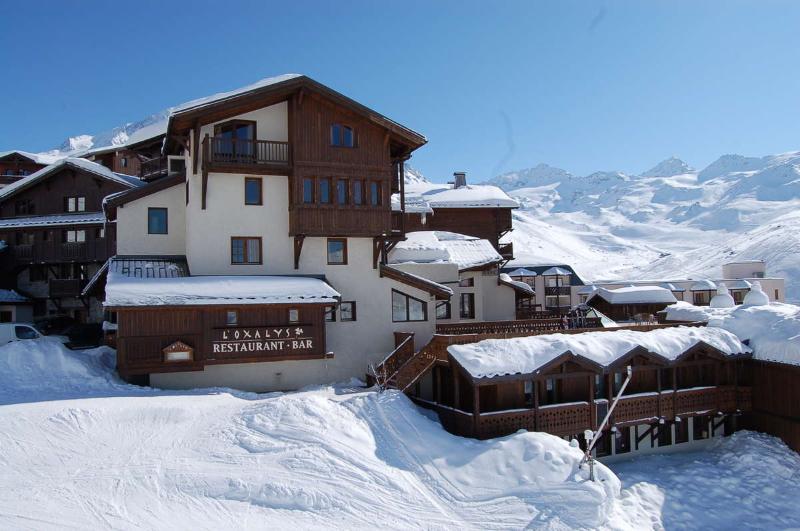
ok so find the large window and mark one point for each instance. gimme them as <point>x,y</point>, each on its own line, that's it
<point>234,140</point>
<point>308,190</point>
<point>325,191</point>
<point>342,136</point>
<point>74,236</point>
<point>341,191</point>
<point>374,193</point>
<point>347,310</point>
<point>75,204</point>
<point>443,310</point>
<point>156,220</point>
<point>253,194</point>
<point>408,308</point>
<point>468,306</point>
<point>337,251</point>
<point>245,250</point>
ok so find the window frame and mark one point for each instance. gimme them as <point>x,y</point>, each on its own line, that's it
<point>375,194</point>
<point>358,198</point>
<point>448,306</point>
<point>150,210</point>
<point>245,256</point>
<point>466,282</point>
<point>328,181</point>
<point>218,128</point>
<point>229,321</point>
<point>330,314</point>
<point>77,199</point>
<point>260,182</point>
<point>353,313</point>
<point>337,140</point>
<point>313,190</point>
<point>77,232</point>
<point>289,315</point>
<point>408,308</point>
<point>328,250</point>
<point>340,201</point>
<point>461,313</point>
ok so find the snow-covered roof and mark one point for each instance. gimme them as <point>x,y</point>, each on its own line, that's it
<point>587,290</point>
<point>672,287</point>
<point>773,331</point>
<point>703,285</point>
<point>737,284</point>
<point>441,247</point>
<point>82,218</point>
<point>437,195</point>
<point>635,295</point>
<point>9,296</point>
<point>214,98</point>
<point>123,290</point>
<point>525,355</point>
<point>38,158</point>
<point>522,272</point>
<point>83,164</point>
<point>556,271</point>
<point>518,285</point>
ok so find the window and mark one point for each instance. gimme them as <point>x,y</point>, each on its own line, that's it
<point>75,204</point>
<point>374,193</point>
<point>358,192</point>
<point>337,251</point>
<point>99,233</point>
<point>233,141</point>
<point>245,250</point>
<point>777,295</point>
<point>325,191</point>
<point>231,318</point>
<point>330,314</point>
<point>408,308</point>
<point>24,207</point>
<point>294,315</point>
<point>347,311</point>
<point>468,306</point>
<point>252,191</point>
<point>342,136</point>
<point>468,282</point>
<point>308,191</point>
<point>443,310</point>
<point>341,191</point>
<point>156,220</point>
<point>123,162</point>
<point>74,236</point>
<point>25,332</point>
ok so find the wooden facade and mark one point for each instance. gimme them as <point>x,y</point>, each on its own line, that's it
<point>625,312</point>
<point>265,330</point>
<point>486,223</point>
<point>15,166</point>
<point>776,400</point>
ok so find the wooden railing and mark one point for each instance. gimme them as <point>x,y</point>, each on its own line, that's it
<point>557,290</point>
<point>245,152</point>
<point>153,168</point>
<point>59,287</point>
<point>506,250</point>
<point>56,252</point>
<point>519,327</point>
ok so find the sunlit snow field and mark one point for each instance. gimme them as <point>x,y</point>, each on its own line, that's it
<point>79,449</point>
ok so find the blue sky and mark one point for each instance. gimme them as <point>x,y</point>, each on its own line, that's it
<point>580,85</point>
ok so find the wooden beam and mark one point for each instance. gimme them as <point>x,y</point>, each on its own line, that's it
<point>196,145</point>
<point>298,248</point>
<point>205,173</point>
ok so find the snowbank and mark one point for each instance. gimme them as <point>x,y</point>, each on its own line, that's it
<point>773,331</point>
<point>525,355</point>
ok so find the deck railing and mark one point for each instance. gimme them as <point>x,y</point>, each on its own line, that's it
<point>519,327</point>
<point>153,168</point>
<point>245,152</point>
<point>66,287</point>
<point>57,252</point>
<point>506,250</point>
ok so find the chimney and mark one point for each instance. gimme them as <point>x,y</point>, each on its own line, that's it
<point>459,179</point>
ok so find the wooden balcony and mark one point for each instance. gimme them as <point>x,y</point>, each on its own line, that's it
<point>57,252</point>
<point>327,220</point>
<point>66,287</point>
<point>557,290</point>
<point>563,419</point>
<point>518,327</point>
<point>153,168</point>
<point>506,250</point>
<point>246,156</point>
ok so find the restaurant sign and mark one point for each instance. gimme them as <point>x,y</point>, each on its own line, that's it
<point>266,339</point>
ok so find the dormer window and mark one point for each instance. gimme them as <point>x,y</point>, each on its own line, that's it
<point>343,136</point>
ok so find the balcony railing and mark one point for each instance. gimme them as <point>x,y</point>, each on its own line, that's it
<point>506,250</point>
<point>66,287</point>
<point>220,153</point>
<point>153,168</point>
<point>519,327</point>
<point>57,252</point>
<point>556,290</point>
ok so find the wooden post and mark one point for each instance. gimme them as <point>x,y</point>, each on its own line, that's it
<point>675,391</point>
<point>456,391</point>
<point>593,406</point>
<point>536,402</point>
<point>658,382</point>
<point>476,409</point>
<point>437,382</point>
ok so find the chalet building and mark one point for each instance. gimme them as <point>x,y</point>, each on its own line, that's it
<point>280,227</point>
<point>139,155</point>
<point>687,385</point>
<point>482,211</point>
<point>635,303</point>
<point>555,288</point>
<point>15,308</point>
<point>15,165</point>
<point>55,236</point>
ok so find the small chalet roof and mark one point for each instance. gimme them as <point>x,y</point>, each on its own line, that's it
<point>703,285</point>
<point>38,158</point>
<point>53,220</point>
<point>527,355</point>
<point>587,290</point>
<point>467,252</point>
<point>635,295</point>
<point>517,285</point>
<point>736,284</point>
<point>437,195</point>
<point>74,162</point>
<point>9,296</point>
<point>556,271</point>
<point>127,291</point>
<point>440,291</point>
<point>672,287</point>
<point>522,272</point>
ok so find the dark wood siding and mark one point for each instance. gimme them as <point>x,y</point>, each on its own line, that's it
<point>486,223</point>
<point>143,333</point>
<point>776,400</point>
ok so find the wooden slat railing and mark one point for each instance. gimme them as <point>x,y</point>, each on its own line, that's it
<point>153,168</point>
<point>247,152</point>
<point>519,326</point>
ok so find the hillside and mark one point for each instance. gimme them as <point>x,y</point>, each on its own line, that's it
<point>670,221</point>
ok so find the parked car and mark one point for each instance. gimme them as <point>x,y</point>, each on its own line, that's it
<point>55,325</point>
<point>10,332</point>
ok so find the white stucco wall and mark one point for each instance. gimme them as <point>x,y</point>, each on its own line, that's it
<point>132,236</point>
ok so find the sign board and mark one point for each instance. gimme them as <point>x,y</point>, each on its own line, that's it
<point>265,340</point>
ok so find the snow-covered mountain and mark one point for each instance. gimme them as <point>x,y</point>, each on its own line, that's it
<point>670,221</point>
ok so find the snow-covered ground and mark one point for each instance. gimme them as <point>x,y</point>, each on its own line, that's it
<point>80,449</point>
